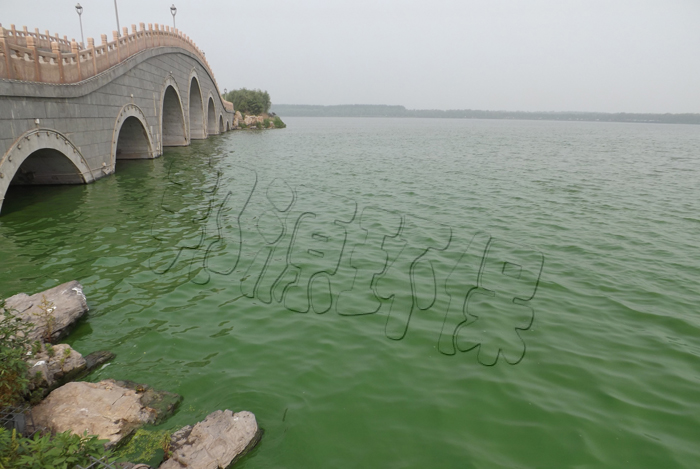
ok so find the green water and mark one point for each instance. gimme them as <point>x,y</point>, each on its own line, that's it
<point>398,292</point>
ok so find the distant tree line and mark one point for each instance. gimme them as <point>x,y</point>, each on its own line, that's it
<point>249,101</point>
<point>372,110</point>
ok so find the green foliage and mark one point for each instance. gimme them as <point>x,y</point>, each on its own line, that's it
<point>62,451</point>
<point>249,101</point>
<point>278,123</point>
<point>146,447</point>
<point>47,317</point>
<point>50,351</point>
<point>259,125</point>
<point>266,123</point>
<point>14,344</point>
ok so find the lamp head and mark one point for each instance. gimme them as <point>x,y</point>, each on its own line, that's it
<point>173,10</point>
<point>79,9</point>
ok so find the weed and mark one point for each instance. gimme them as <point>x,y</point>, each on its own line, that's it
<point>47,318</point>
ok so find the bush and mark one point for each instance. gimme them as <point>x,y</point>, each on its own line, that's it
<point>14,344</point>
<point>266,123</point>
<point>63,451</point>
<point>278,123</point>
<point>249,101</point>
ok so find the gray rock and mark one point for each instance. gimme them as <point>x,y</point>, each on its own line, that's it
<point>216,442</point>
<point>48,372</point>
<point>96,359</point>
<point>106,409</point>
<point>53,312</point>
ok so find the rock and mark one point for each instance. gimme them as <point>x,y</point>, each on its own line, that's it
<point>50,371</point>
<point>109,409</point>
<point>96,359</point>
<point>216,442</point>
<point>53,312</point>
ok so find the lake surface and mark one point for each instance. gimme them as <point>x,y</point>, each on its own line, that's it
<point>398,292</point>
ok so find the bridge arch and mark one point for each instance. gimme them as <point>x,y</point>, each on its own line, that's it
<point>198,127</point>
<point>42,157</point>
<point>211,116</point>
<point>221,123</point>
<point>131,138</point>
<point>172,122</point>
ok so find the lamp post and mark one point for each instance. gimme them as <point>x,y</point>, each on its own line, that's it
<point>173,11</point>
<point>79,9</point>
<point>225,92</point>
<point>116,12</point>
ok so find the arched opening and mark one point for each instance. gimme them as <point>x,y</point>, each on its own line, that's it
<point>211,117</point>
<point>228,126</point>
<point>47,166</point>
<point>197,130</point>
<point>221,124</point>
<point>133,143</point>
<point>42,157</point>
<point>174,134</point>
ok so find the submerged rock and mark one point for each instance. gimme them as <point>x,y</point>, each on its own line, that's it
<point>110,409</point>
<point>53,312</point>
<point>96,359</point>
<point>216,442</point>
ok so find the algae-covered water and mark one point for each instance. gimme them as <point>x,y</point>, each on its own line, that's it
<point>397,292</point>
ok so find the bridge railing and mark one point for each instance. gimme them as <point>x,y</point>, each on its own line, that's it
<point>17,37</point>
<point>44,58</point>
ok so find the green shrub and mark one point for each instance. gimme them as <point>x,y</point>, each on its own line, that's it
<point>259,125</point>
<point>14,344</point>
<point>249,101</point>
<point>62,451</point>
<point>266,123</point>
<point>278,123</point>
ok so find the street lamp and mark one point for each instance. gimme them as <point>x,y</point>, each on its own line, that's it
<point>116,12</point>
<point>173,11</point>
<point>79,9</point>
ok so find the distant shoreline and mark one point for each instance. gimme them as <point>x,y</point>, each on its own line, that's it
<point>378,110</point>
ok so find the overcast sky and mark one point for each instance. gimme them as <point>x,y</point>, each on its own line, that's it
<point>529,55</point>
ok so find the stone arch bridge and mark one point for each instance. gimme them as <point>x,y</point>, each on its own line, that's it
<point>69,113</point>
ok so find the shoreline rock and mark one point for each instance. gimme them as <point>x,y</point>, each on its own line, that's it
<point>218,441</point>
<point>114,410</point>
<point>110,409</point>
<point>53,312</point>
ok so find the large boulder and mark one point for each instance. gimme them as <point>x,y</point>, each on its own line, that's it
<point>216,442</point>
<point>53,312</point>
<point>110,409</point>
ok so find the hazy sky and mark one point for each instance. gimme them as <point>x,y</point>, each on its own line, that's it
<point>530,55</point>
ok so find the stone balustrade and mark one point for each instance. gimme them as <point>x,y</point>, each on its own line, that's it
<point>36,57</point>
<point>42,41</point>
